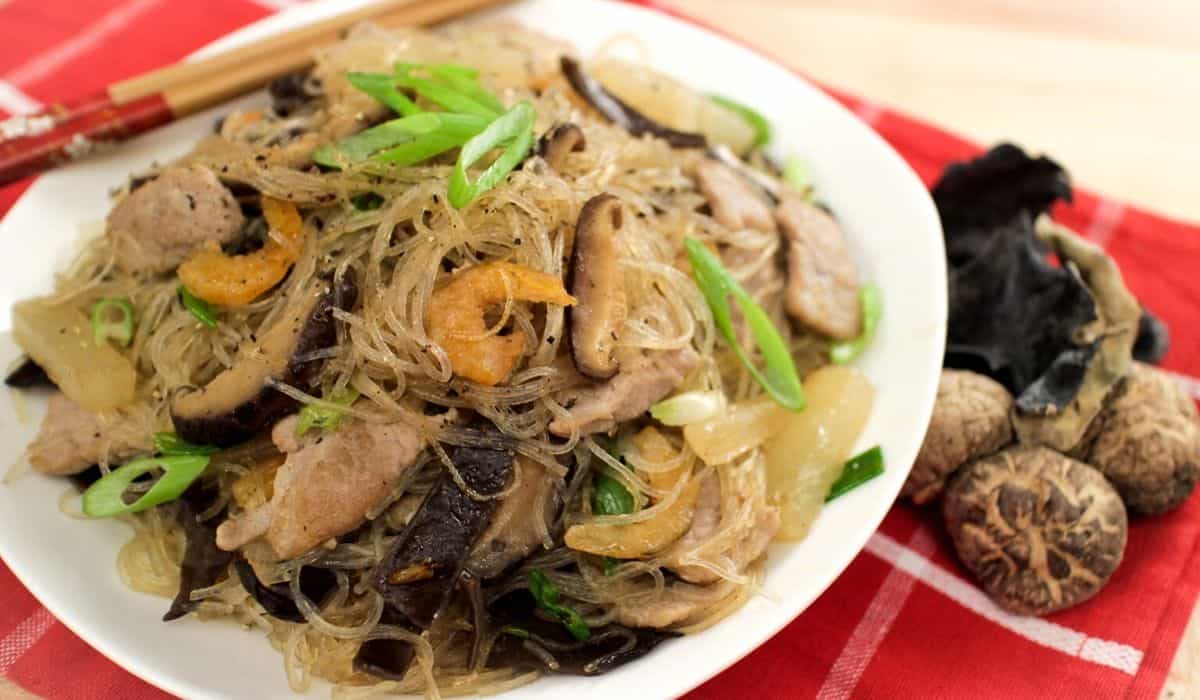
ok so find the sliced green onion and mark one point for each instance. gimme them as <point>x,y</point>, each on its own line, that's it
<point>515,631</point>
<point>546,595</point>
<point>466,81</point>
<point>455,130</point>
<point>171,445</point>
<point>514,128</point>
<point>762,127</point>
<point>105,498</point>
<point>858,470</point>
<point>690,407</point>
<point>452,90</point>
<point>610,496</point>
<point>844,351</point>
<point>312,416</point>
<point>105,326</point>
<point>796,174</point>
<point>403,141</point>
<point>382,86</point>
<point>202,310</point>
<point>367,201</point>
<point>779,378</point>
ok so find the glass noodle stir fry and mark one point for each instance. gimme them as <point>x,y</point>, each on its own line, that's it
<point>459,363</point>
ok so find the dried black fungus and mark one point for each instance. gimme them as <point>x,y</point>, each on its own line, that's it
<point>386,658</point>
<point>277,600</point>
<point>1013,315</point>
<point>1153,339</point>
<point>203,562</point>
<point>557,651</point>
<point>28,375</point>
<point>418,577</point>
<point>622,114</point>
<point>292,91</point>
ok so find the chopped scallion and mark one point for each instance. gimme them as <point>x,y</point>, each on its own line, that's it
<point>171,445</point>
<point>367,201</point>
<point>843,352</point>
<point>547,595</point>
<point>382,87</point>
<point>403,141</point>
<point>610,497</point>
<point>690,407</point>
<point>514,131</point>
<point>106,497</point>
<point>202,310</point>
<point>325,418</point>
<point>858,470</point>
<point>796,174</point>
<point>453,91</point>
<point>779,378</point>
<point>113,319</point>
<point>762,127</point>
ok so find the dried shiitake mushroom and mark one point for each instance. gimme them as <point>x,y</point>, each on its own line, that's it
<point>1039,530</point>
<point>1147,442</point>
<point>970,420</point>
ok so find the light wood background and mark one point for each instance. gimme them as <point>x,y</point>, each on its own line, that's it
<point>1109,88</point>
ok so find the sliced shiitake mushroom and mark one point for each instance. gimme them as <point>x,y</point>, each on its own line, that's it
<point>555,144</point>
<point>1039,530</point>
<point>241,402</point>
<point>598,288</point>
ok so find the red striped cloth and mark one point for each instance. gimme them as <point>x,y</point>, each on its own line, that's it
<point>902,621</point>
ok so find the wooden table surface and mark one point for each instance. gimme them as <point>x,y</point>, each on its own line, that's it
<point>1109,88</point>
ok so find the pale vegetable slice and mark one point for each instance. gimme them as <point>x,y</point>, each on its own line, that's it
<point>673,104</point>
<point>59,338</point>
<point>805,457</point>
<point>746,425</point>
<point>643,537</point>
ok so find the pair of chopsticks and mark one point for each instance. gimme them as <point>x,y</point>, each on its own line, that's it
<point>71,130</point>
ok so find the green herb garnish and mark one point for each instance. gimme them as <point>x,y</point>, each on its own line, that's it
<point>113,319</point>
<point>326,418</point>
<point>382,86</point>
<point>105,498</point>
<point>171,445</point>
<point>779,379</point>
<point>844,351</point>
<point>547,595</point>
<point>762,127</point>
<point>512,131</point>
<point>202,310</point>
<point>610,497</point>
<point>858,470</point>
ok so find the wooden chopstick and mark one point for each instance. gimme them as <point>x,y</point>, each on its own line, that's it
<point>138,104</point>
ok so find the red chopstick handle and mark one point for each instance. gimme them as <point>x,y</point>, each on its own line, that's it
<point>93,126</point>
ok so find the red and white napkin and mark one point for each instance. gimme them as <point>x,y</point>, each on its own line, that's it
<point>903,621</point>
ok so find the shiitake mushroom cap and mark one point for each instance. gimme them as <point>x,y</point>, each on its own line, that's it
<point>970,420</point>
<point>1040,531</point>
<point>1146,440</point>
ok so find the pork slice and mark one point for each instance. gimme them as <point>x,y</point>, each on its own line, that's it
<point>154,228</point>
<point>514,533</point>
<point>734,203</point>
<point>822,285</point>
<point>749,544</point>
<point>644,378</point>
<point>326,485</point>
<point>72,438</point>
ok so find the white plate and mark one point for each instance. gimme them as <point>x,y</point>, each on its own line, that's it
<point>895,238</point>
